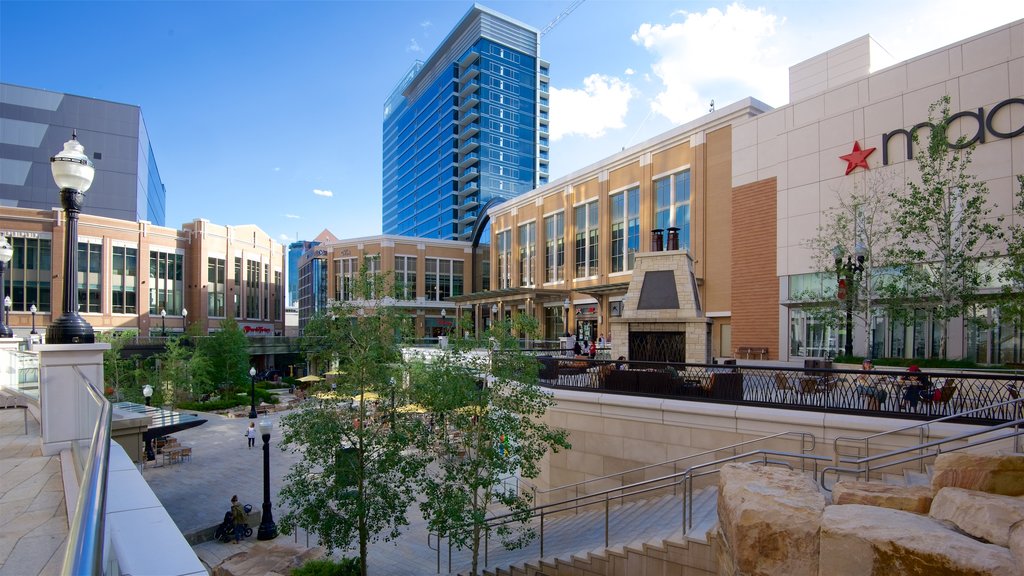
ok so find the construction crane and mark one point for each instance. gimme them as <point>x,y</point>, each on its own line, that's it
<point>561,16</point>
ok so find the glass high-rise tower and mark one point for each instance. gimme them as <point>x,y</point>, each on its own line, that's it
<point>468,125</point>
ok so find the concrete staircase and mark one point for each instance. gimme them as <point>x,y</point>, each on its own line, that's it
<point>638,531</point>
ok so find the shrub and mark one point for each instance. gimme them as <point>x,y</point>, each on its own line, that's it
<point>324,567</point>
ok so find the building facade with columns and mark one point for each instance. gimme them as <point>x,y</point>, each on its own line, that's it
<point>130,272</point>
<point>420,275</point>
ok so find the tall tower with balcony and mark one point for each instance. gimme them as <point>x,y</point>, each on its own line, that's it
<point>468,125</point>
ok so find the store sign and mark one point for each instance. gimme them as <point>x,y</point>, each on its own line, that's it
<point>257,330</point>
<point>983,120</point>
<point>857,158</point>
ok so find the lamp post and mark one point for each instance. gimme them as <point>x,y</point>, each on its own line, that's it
<point>252,392</point>
<point>267,530</point>
<point>444,322</point>
<point>5,256</point>
<point>494,313</point>
<point>565,315</point>
<point>163,320</point>
<point>33,310</point>
<point>847,274</point>
<point>7,313</point>
<point>184,320</point>
<point>73,173</point>
<point>147,391</point>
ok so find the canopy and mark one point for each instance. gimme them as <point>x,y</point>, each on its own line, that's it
<point>334,373</point>
<point>310,378</point>
<point>412,409</point>
<point>368,396</point>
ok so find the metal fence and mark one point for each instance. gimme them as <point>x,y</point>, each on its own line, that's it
<point>893,393</point>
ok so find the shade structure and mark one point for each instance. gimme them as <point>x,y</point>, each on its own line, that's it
<point>411,409</point>
<point>310,378</point>
<point>334,373</point>
<point>367,396</point>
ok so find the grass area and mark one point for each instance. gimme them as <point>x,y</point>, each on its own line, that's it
<point>232,400</point>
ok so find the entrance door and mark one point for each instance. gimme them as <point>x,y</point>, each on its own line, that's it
<point>586,330</point>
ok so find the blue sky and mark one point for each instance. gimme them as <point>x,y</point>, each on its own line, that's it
<point>270,113</point>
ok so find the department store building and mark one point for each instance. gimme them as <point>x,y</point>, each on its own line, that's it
<point>732,198</point>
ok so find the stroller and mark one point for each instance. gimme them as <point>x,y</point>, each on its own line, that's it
<point>226,531</point>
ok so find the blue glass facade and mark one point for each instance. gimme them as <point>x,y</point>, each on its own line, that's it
<point>467,126</point>
<point>295,252</point>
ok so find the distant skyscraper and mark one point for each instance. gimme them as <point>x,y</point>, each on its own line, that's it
<point>34,124</point>
<point>468,125</point>
<point>295,252</point>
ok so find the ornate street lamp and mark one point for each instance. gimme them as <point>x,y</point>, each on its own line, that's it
<point>444,322</point>
<point>163,320</point>
<point>267,530</point>
<point>252,392</point>
<point>33,310</point>
<point>73,173</point>
<point>565,315</point>
<point>147,391</point>
<point>7,313</point>
<point>184,320</point>
<point>5,256</point>
<point>847,275</point>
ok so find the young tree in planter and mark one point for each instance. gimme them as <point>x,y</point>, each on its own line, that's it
<point>117,370</point>
<point>1011,306</point>
<point>228,352</point>
<point>487,427</point>
<point>944,220</point>
<point>355,480</point>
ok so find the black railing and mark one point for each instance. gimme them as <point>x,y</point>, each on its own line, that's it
<point>887,393</point>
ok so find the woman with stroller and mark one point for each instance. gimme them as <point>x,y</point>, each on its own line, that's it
<point>238,515</point>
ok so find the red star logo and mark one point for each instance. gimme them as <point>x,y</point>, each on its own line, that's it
<point>857,158</point>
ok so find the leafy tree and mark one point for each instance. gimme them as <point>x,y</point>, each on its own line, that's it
<point>117,370</point>
<point>487,426</point>
<point>181,367</point>
<point>857,225</point>
<point>944,221</point>
<point>355,480</point>
<point>227,351</point>
<point>1011,305</point>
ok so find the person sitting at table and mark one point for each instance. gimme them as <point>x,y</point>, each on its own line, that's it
<point>868,387</point>
<point>917,384</point>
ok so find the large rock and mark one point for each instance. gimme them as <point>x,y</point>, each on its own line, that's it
<point>861,540</point>
<point>917,499</point>
<point>995,474</point>
<point>1017,542</point>
<point>982,515</point>
<point>267,558</point>
<point>769,517</point>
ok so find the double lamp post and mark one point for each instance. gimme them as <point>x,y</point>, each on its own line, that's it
<point>848,275</point>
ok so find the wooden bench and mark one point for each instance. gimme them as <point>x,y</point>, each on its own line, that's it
<point>748,352</point>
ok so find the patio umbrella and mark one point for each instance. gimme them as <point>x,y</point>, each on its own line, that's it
<point>334,373</point>
<point>310,378</point>
<point>368,396</point>
<point>412,409</point>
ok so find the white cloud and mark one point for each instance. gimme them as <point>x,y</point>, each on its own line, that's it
<point>292,216</point>
<point>715,54</point>
<point>414,46</point>
<point>630,72</point>
<point>277,168</point>
<point>284,237</point>
<point>325,193</point>
<point>601,104</point>
<point>426,24</point>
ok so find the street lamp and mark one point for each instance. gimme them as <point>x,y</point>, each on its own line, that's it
<point>5,256</point>
<point>147,391</point>
<point>33,310</point>
<point>444,322</point>
<point>163,320</point>
<point>252,392</point>
<point>184,320</point>
<point>73,173</point>
<point>7,313</point>
<point>267,530</point>
<point>565,315</point>
<point>847,274</point>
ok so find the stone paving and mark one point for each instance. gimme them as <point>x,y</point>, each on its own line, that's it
<point>33,520</point>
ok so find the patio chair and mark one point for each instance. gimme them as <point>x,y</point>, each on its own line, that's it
<point>784,385</point>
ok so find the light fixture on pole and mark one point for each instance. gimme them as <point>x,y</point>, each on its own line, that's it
<point>252,392</point>
<point>33,310</point>
<point>444,322</point>
<point>565,315</point>
<point>147,391</point>
<point>73,173</point>
<point>163,320</point>
<point>847,275</point>
<point>184,320</point>
<point>267,529</point>
<point>7,312</point>
<point>6,252</point>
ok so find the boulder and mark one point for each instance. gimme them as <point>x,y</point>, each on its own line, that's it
<point>265,559</point>
<point>917,499</point>
<point>769,518</point>
<point>1017,542</point>
<point>995,474</point>
<point>859,540</point>
<point>982,515</point>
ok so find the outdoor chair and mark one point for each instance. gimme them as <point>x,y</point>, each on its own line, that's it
<point>784,385</point>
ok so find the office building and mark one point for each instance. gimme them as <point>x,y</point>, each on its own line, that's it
<point>467,126</point>
<point>35,123</point>
<point>295,251</point>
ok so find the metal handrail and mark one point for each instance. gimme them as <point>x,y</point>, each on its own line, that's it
<point>84,552</point>
<point>803,449</point>
<point>921,449</point>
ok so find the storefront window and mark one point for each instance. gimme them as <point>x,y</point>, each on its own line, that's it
<point>554,247</point>
<point>123,280</point>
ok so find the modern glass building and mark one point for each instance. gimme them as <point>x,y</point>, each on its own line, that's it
<point>34,124</point>
<point>468,125</point>
<point>295,251</point>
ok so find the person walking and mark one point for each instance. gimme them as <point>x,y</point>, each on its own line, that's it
<point>238,516</point>
<point>251,434</point>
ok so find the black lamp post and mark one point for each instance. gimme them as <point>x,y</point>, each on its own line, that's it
<point>7,314</point>
<point>163,321</point>
<point>565,315</point>
<point>444,322</point>
<point>73,173</point>
<point>252,392</point>
<point>267,529</point>
<point>5,256</point>
<point>184,320</point>
<point>33,310</point>
<point>848,273</point>
<point>147,391</point>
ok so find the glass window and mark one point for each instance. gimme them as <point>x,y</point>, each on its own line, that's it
<point>504,250</point>
<point>444,278</point>
<point>672,205</point>
<point>554,247</point>
<point>166,282</point>
<point>237,292</point>
<point>405,277</point>
<point>90,260</point>
<point>527,253</point>
<point>123,280</point>
<point>346,275</point>
<point>586,239</point>
<point>252,289</point>
<point>215,286</point>
<point>28,274</point>
<point>625,231</point>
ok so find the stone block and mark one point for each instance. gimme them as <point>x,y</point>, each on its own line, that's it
<point>770,518</point>
<point>1017,542</point>
<point>859,540</point>
<point>982,515</point>
<point>917,499</point>
<point>995,474</point>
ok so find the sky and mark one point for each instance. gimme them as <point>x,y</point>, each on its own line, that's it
<point>270,113</point>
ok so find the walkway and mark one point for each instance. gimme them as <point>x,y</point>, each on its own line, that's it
<point>33,520</point>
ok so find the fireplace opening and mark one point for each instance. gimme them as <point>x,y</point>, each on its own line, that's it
<point>657,346</point>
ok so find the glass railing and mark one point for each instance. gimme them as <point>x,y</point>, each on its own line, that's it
<point>19,372</point>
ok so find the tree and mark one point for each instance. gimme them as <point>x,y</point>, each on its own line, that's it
<point>117,370</point>
<point>944,221</point>
<point>355,480</point>
<point>227,351</point>
<point>181,370</point>
<point>487,427</point>
<point>858,224</point>
<point>1011,306</point>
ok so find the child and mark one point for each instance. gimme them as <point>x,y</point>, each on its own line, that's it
<point>251,434</point>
